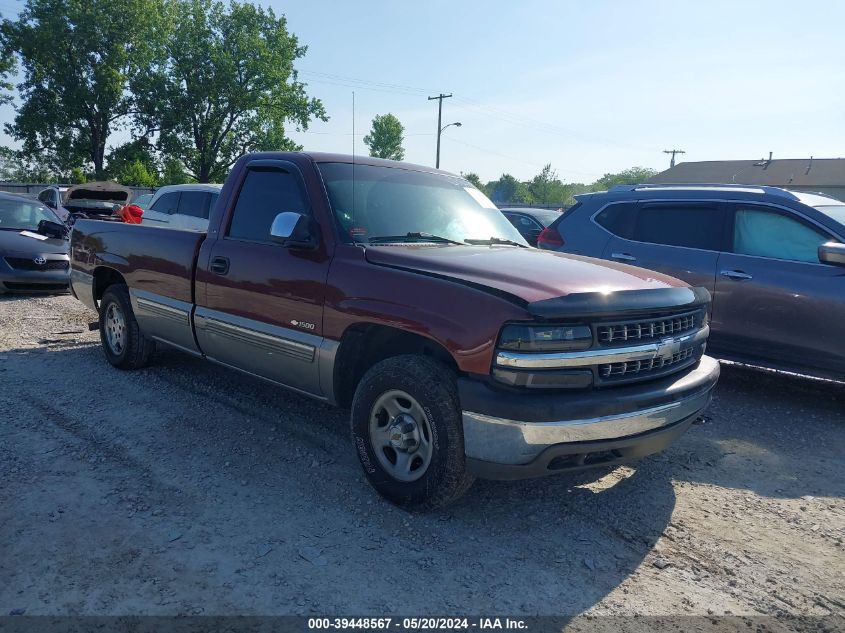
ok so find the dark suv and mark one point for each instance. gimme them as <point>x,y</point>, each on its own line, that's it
<point>774,261</point>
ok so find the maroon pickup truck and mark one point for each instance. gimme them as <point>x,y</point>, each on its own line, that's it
<point>402,293</point>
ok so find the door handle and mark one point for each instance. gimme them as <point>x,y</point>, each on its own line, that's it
<point>735,274</point>
<point>220,265</point>
<point>625,257</point>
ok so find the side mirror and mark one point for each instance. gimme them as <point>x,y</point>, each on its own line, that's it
<point>52,229</point>
<point>832,253</point>
<point>294,230</point>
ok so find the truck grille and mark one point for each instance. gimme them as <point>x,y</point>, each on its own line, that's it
<point>24,263</point>
<point>636,368</point>
<point>648,329</point>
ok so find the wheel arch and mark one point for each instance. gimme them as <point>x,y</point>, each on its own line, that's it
<point>103,277</point>
<point>365,344</point>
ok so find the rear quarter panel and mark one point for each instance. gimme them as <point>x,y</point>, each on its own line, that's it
<point>155,260</point>
<point>582,236</point>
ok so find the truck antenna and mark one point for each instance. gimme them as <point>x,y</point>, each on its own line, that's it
<point>353,158</point>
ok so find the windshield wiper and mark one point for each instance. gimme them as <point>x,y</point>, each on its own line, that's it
<point>494,240</point>
<point>419,237</point>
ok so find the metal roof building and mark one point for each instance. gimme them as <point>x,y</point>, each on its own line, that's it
<point>825,175</point>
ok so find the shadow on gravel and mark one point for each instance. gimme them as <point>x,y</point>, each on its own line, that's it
<point>239,493</point>
<point>18,296</point>
<point>777,435</point>
<point>261,500</point>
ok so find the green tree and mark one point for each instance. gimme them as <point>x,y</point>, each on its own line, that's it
<point>173,173</point>
<point>476,181</point>
<point>136,174</point>
<point>77,176</point>
<point>16,167</point>
<point>570,190</point>
<point>226,87</point>
<point>631,176</point>
<point>7,65</point>
<point>140,150</point>
<point>385,137</point>
<point>77,58</point>
<point>508,190</point>
<point>546,188</point>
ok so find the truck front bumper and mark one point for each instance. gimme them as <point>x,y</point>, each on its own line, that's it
<point>510,435</point>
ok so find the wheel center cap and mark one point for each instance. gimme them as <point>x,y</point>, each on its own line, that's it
<point>404,434</point>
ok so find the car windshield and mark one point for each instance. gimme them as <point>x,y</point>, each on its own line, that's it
<point>836,211</point>
<point>21,215</point>
<point>392,204</point>
<point>143,200</point>
<point>543,216</point>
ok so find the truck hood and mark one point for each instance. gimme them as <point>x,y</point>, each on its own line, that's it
<point>529,274</point>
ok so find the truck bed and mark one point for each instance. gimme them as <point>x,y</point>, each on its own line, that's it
<point>151,259</point>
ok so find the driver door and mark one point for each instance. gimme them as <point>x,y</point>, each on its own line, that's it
<point>259,304</point>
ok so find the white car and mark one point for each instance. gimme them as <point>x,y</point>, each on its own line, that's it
<point>182,206</point>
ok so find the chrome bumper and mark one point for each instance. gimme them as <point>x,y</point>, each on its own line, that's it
<point>513,442</point>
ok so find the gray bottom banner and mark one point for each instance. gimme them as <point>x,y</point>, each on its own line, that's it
<point>535,624</point>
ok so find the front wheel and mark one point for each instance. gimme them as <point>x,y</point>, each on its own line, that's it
<point>408,433</point>
<point>124,345</point>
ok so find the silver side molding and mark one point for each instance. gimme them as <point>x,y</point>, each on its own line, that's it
<point>164,319</point>
<point>273,344</point>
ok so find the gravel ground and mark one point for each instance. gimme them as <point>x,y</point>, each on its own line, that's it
<point>185,488</point>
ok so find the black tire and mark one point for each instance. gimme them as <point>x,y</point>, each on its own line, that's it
<point>432,385</point>
<point>135,350</point>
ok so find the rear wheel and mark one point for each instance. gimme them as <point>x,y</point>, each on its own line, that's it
<point>123,344</point>
<point>408,433</point>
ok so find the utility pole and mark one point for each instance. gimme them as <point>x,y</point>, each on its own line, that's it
<point>439,98</point>
<point>673,152</point>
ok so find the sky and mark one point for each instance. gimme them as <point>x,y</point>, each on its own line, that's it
<point>590,87</point>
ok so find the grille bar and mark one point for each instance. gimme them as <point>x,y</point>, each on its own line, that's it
<point>646,329</point>
<point>638,367</point>
<point>23,263</point>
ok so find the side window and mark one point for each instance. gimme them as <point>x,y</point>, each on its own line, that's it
<point>194,204</point>
<point>45,196</point>
<point>527,223</point>
<point>690,226</point>
<point>619,219</point>
<point>767,233</point>
<point>212,202</point>
<point>265,193</point>
<point>167,203</point>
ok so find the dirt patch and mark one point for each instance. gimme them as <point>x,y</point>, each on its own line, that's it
<point>185,488</point>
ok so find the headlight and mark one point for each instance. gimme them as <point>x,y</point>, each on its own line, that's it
<point>546,338</point>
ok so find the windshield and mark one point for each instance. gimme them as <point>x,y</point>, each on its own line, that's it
<point>836,211</point>
<point>22,215</point>
<point>388,202</point>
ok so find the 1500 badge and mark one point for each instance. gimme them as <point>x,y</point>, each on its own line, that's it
<point>305,325</point>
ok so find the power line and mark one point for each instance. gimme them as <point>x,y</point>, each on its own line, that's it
<point>519,160</point>
<point>470,104</point>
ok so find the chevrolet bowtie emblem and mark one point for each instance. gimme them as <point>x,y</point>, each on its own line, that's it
<point>668,347</point>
